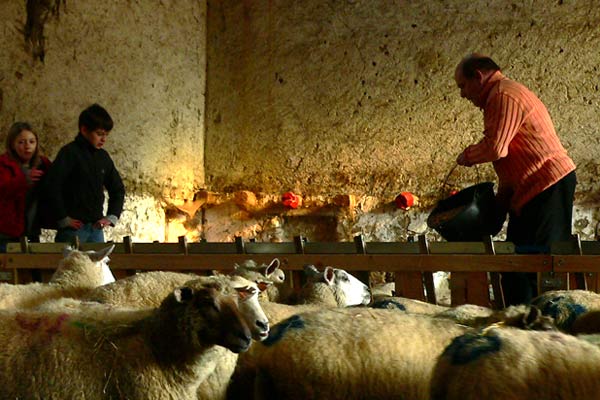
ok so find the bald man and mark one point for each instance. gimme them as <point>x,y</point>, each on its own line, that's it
<point>536,177</point>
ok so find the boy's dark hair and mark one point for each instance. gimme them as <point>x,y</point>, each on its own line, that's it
<point>473,64</point>
<point>95,117</point>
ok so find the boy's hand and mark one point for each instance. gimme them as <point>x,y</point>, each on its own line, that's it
<point>101,223</point>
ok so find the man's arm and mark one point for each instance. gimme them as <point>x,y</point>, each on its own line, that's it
<point>503,117</point>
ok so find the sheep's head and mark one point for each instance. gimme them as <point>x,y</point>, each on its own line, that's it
<point>84,268</point>
<point>246,293</point>
<point>347,289</point>
<point>207,313</point>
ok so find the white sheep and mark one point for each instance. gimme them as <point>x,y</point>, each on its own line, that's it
<point>329,289</point>
<point>103,352</point>
<point>405,304</point>
<point>499,363</point>
<point>269,273</point>
<point>566,305</point>
<point>332,287</point>
<point>76,274</point>
<point>352,353</point>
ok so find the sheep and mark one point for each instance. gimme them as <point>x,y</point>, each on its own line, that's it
<point>270,273</point>
<point>110,353</point>
<point>500,363</point>
<point>406,304</point>
<point>76,274</point>
<point>588,322</point>
<point>329,289</point>
<point>332,287</point>
<point>147,288</point>
<point>352,353</point>
<point>566,305</point>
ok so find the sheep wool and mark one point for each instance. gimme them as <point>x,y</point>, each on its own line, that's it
<point>75,276</point>
<point>148,288</point>
<point>566,305</point>
<point>142,289</point>
<point>499,363</point>
<point>98,352</point>
<point>353,353</point>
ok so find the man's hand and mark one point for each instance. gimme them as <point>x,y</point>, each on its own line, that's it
<point>462,160</point>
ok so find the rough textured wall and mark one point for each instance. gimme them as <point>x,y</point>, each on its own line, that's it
<point>353,96</point>
<point>358,97</point>
<point>144,61</point>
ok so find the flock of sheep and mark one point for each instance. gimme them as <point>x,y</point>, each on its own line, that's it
<point>167,335</point>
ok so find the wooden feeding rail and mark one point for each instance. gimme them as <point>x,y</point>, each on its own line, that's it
<point>474,266</point>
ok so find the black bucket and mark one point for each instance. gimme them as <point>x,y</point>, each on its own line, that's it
<point>468,216</point>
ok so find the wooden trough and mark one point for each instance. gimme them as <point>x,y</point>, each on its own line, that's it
<point>474,266</point>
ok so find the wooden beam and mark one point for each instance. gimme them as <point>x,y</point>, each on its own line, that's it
<point>350,262</point>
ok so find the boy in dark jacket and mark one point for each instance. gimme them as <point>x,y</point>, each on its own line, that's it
<point>74,185</point>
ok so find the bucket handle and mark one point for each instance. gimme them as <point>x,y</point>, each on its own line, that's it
<point>445,181</point>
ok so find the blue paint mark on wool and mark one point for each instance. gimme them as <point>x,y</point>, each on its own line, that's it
<point>563,311</point>
<point>470,347</point>
<point>279,330</point>
<point>389,304</point>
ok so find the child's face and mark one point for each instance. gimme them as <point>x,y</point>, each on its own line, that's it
<point>25,144</point>
<point>97,137</point>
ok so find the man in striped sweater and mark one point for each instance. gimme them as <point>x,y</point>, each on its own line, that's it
<point>536,177</point>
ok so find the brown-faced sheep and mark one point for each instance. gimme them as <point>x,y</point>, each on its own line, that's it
<point>500,363</point>
<point>147,288</point>
<point>76,274</point>
<point>102,352</point>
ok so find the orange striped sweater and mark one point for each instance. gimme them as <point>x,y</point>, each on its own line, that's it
<point>520,140</point>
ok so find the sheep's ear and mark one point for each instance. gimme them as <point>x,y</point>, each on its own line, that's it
<point>67,250</point>
<point>100,254</point>
<point>310,270</point>
<point>183,294</point>
<point>272,267</point>
<point>263,285</point>
<point>329,275</point>
<point>246,292</point>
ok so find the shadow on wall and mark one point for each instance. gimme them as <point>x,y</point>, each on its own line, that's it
<point>38,12</point>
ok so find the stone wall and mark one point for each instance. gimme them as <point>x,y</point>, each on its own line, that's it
<point>358,97</point>
<point>326,98</point>
<point>144,61</point>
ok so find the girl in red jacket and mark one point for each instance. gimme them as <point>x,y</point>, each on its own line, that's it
<point>21,168</point>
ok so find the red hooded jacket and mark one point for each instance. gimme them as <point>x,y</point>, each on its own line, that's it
<point>13,189</point>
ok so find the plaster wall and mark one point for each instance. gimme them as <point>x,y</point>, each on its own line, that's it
<point>144,61</point>
<point>323,98</point>
<point>358,97</point>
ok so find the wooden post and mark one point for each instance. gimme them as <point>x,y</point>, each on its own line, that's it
<point>427,275</point>
<point>409,284</point>
<point>495,278</point>
<point>361,248</point>
<point>296,280</point>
